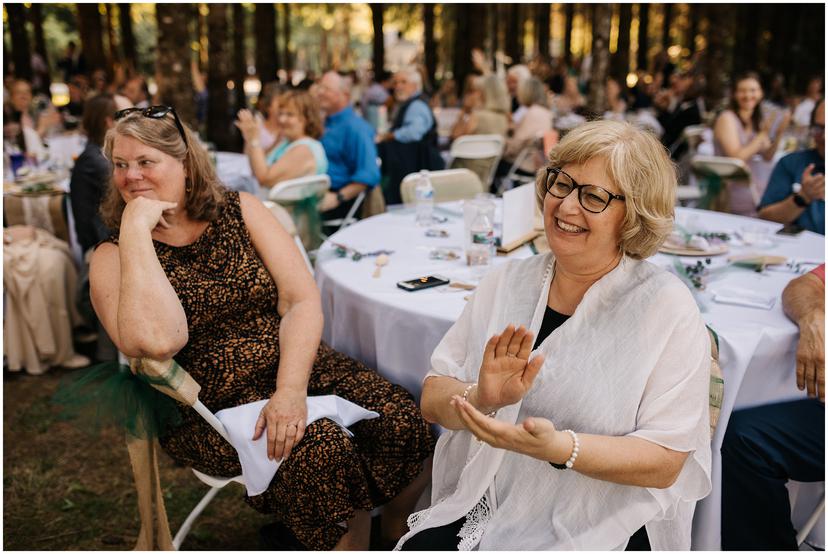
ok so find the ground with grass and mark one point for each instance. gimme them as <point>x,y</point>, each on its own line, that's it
<point>67,489</point>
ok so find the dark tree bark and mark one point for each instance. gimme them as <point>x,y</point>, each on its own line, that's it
<point>514,37</point>
<point>264,26</point>
<point>173,61</point>
<point>569,14</point>
<point>715,55</point>
<point>21,52</point>
<point>91,35</point>
<point>643,35</point>
<point>469,34</point>
<point>429,43</point>
<point>239,64</point>
<point>288,54</point>
<point>668,21</point>
<point>542,29</point>
<point>127,38</point>
<point>620,62</point>
<point>112,56</point>
<point>218,73</point>
<point>378,57</point>
<point>36,14</point>
<point>745,51</point>
<point>596,99</point>
<point>695,16</point>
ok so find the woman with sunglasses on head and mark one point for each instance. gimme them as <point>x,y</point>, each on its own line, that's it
<point>208,277</point>
<point>575,384</point>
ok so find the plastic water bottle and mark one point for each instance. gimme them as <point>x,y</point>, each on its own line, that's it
<point>424,194</point>
<point>481,243</point>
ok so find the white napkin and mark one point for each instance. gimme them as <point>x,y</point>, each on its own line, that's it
<point>240,422</point>
<point>743,297</point>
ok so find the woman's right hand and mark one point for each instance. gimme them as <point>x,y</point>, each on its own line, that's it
<point>248,125</point>
<point>506,373</point>
<point>146,214</point>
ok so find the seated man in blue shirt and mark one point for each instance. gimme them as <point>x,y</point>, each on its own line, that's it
<point>796,189</point>
<point>349,145</point>
<point>411,145</point>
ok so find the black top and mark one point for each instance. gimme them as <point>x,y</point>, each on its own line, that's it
<point>90,178</point>
<point>551,321</point>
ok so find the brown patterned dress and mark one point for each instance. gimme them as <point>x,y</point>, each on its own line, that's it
<point>233,353</point>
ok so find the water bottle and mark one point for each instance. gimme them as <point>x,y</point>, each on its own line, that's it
<point>481,243</point>
<point>424,193</point>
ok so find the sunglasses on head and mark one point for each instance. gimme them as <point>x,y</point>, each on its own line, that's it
<point>155,112</point>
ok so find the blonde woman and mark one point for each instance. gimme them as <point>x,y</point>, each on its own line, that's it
<point>574,386</point>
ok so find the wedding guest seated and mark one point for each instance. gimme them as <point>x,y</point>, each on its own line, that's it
<point>267,107</point>
<point>31,124</point>
<point>299,154</point>
<point>616,101</point>
<point>557,437</point>
<point>742,132</point>
<point>137,91</point>
<point>802,114</point>
<point>90,174</point>
<point>767,445</point>
<point>796,189</point>
<point>535,123</point>
<point>411,144</point>
<point>485,110</point>
<point>678,108</point>
<point>207,276</point>
<point>515,76</point>
<point>349,146</point>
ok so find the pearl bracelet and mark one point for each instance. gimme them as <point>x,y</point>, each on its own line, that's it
<point>466,398</point>
<point>576,447</point>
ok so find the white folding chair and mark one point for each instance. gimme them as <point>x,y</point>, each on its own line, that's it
<point>806,529</point>
<point>449,184</point>
<point>284,218</point>
<point>479,147</point>
<point>350,218</point>
<point>714,170</point>
<point>532,148</point>
<point>293,191</point>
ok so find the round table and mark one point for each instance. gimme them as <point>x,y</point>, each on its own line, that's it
<point>395,331</point>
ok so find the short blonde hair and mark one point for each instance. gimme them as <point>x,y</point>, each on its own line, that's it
<point>496,97</point>
<point>639,165</point>
<point>205,195</point>
<point>532,92</point>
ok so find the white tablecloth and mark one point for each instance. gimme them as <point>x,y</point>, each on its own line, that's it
<point>234,172</point>
<point>395,331</point>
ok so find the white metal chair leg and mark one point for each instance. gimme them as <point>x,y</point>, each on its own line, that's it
<point>809,525</point>
<point>188,523</point>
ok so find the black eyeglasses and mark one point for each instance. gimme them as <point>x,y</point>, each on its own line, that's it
<point>593,198</point>
<point>155,112</point>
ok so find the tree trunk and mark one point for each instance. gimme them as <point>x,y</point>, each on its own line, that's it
<point>288,55</point>
<point>569,16</point>
<point>668,20</point>
<point>91,35</point>
<point>514,38</point>
<point>239,63</point>
<point>600,57</point>
<point>695,16</point>
<point>620,62</point>
<point>462,48</point>
<point>127,38</point>
<point>175,85</point>
<point>36,13</point>
<point>714,61</point>
<point>429,43</point>
<point>542,29</point>
<point>21,52</point>
<point>218,73</point>
<point>264,28</point>
<point>378,57</point>
<point>643,35</point>
<point>112,56</point>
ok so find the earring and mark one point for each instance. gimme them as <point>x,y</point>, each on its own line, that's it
<point>188,186</point>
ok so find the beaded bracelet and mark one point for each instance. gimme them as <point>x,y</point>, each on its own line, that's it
<point>466,398</point>
<point>576,447</point>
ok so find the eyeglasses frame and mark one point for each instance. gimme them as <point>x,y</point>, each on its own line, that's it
<point>155,112</point>
<point>578,187</point>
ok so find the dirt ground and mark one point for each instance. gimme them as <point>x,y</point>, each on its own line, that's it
<point>68,489</point>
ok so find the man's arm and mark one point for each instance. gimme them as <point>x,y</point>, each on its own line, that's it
<point>777,203</point>
<point>416,124</point>
<point>803,301</point>
<point>365,173</point>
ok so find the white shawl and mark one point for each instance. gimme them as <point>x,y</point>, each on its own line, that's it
<point>633,360</point>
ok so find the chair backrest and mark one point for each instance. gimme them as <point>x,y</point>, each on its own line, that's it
<point>449,184</point>
<point>477,147</point>
<point>350,218</point>
<point>284,217</point>
<point>294,190</point>
<point>721,166</point>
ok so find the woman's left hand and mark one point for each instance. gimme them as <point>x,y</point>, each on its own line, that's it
<point>284,416</point>
<point>535,436</point>
<point>248,126</point>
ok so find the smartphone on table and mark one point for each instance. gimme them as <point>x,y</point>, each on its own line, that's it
<point>421,283</point>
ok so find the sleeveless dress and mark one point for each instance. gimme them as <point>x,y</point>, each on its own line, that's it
<point>315,147</point>
<point>233,353</point>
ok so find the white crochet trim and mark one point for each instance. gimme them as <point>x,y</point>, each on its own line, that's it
<point>417,519</point>
<point>476,520</point>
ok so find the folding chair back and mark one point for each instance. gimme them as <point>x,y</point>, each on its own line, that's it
<point>449,184</point>
<point>479,147</point>
<point>283,217</point>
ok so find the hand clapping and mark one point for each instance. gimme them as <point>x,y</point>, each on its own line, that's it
<point>506,373</point>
